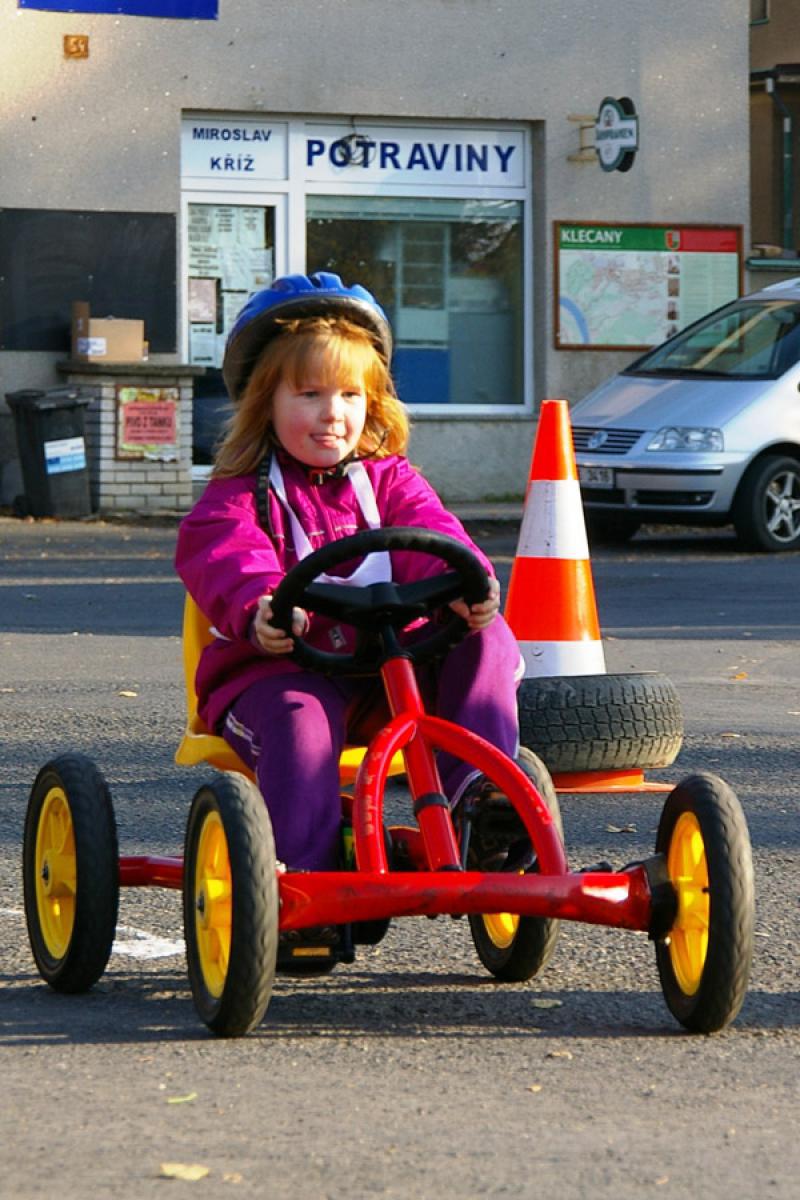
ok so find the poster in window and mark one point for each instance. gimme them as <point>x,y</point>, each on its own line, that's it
<point>203,300</point>
<point>203,344</point>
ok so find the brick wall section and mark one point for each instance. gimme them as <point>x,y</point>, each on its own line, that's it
<point>141,485</point>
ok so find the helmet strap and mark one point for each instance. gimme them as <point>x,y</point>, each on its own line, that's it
<point>262,493</point>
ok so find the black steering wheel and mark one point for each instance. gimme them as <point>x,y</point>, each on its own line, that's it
<point>380,610</point>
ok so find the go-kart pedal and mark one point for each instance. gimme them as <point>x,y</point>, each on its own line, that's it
<point>314,950</point>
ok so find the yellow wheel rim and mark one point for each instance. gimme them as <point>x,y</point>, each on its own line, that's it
<point>688,870</point>
<point>501,928</point>
<point>56,873</point>
<point>212,904</point>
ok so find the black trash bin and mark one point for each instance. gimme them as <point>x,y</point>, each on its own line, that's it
<point>49,426</point>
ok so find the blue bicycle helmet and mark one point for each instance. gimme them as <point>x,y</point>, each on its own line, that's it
<point>322,294</point>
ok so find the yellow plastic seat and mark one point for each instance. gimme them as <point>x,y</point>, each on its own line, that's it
<point>198,744</point>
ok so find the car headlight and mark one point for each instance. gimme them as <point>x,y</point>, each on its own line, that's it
<point>687,437</point>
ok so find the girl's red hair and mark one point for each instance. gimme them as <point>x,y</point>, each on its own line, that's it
<point>326,350</point>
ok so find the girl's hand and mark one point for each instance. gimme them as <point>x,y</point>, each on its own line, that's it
<point>272,640</point>
<point>480,615</point>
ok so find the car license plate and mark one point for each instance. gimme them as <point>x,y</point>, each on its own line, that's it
<point>596,477</point>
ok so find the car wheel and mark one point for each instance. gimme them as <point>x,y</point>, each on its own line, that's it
<point>608,529</point>
<point>601,722</point>
<point>766,511</point>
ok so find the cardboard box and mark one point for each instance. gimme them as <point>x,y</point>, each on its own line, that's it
<point>105,339</point>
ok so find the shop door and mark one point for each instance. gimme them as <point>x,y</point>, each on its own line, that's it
<point>232,248</point>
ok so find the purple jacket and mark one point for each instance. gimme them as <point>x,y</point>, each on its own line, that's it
<point>226,560</point>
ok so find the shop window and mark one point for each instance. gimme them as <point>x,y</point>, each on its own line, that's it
<point>449,274</point>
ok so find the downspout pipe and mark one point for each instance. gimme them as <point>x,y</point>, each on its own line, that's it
<point>788,163</point>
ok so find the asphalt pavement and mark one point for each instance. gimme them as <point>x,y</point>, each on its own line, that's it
<point>409,1074</point>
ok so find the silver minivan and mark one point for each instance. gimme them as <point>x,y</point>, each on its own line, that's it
<point>704,429</point>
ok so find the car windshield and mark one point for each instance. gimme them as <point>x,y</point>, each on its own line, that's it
<point>756,339</point>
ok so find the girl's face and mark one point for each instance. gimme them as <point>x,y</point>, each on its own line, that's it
<point>319,421</point>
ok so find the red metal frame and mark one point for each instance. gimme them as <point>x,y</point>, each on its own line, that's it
<point>438,885</point>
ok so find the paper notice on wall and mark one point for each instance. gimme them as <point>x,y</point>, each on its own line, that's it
<point>147,423</point>
<point>203,300</point>
<point>201,224</point>
<point>262,267</point>
<point>235,269</point>
<point>243,269</point>
<point>203,344</point>
<point>204,260</point>
<point>225,225</point>
<point>232,305</point>
<point>251,227</point>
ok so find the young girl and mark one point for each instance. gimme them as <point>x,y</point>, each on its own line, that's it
<point>315,451</point>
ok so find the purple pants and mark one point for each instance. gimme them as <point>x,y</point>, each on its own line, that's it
<point>291,729</point>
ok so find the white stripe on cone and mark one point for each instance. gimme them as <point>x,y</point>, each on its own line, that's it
<point>563,658</point>
<point>552,523</point>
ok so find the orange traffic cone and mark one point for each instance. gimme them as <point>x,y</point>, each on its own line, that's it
<point>551,605</point>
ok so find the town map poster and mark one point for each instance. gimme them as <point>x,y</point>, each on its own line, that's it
<point>630,287</point>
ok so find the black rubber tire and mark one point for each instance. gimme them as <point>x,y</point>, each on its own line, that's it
<point>535,938</point>
<point>756,504</point>
<point>601,722</point>
<point>726,843</point>
<point>250,970</point>
<point>614,529</point>
<point>95,899</point>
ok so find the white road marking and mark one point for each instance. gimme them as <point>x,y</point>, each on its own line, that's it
<point>138,943</point>
<point>130,942</point>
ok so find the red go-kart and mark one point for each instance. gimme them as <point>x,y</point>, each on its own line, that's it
<point>694,896</point>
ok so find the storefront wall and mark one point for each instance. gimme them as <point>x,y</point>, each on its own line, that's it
<point>104,133</point>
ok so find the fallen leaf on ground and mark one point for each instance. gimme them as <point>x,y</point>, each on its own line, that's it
<point>534,1087</point>
<point>559,1054</point>
<point>543,1002</point>
<point>188,1171</point>
<point>126,693</point>
<point>741,675</point>
<point>620,829</point>
<point>730,735</point>
<point>182,1099</point>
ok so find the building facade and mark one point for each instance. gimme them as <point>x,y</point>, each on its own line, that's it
<point>442,152</point>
